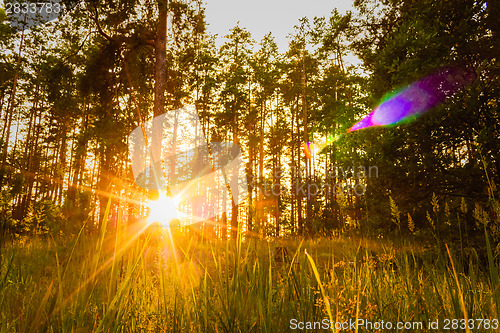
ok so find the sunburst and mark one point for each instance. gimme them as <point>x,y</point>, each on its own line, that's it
<point>163,210</point>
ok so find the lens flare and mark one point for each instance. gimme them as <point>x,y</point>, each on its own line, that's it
<point>311,149</point>
<point>421,96</point>
<point>308,149</point>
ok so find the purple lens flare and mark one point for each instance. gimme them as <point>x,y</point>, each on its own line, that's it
<point>421,96</point>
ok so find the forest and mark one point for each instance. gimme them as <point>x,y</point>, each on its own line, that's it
<point>340,181</point>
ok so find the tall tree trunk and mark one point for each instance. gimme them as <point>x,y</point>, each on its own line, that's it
<point>250,177</point>
<point>80,155</point>
<point>260,201</point>
<point>160,75</point>
<point>104,181</point>
<point>160,59</point>
<point>10,110</point>
<point>298,183</point>
<point>62,164</point>
<point>31,170</point>
<point>306,139</point>
<point>234,192</point>
<point>2,98</point>
<point>293,175</point>
<point>29,150</point>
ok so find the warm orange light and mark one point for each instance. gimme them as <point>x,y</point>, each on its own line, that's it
<point>163,210</point>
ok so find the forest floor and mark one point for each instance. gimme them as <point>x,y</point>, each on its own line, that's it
<point>158,282</point>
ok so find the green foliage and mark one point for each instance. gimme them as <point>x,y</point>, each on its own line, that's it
<point>44,217</point>
<point>400,42</point>
<point>85,81</point>
<point>8,225</point>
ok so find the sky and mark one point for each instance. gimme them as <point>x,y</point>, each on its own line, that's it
<point>263,16</point>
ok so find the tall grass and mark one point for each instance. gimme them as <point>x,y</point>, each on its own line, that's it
<point>126,280</point>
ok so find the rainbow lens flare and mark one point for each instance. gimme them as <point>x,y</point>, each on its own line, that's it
<point>421,96</point>
<point>311,149</point>
<point>308,149</point>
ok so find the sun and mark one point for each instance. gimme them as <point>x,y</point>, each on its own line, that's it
<point>163,210</point>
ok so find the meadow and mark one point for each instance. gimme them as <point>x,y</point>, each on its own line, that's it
<point>124,280</point>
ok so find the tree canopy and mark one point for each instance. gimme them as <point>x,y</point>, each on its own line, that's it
<point>73,89</point>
